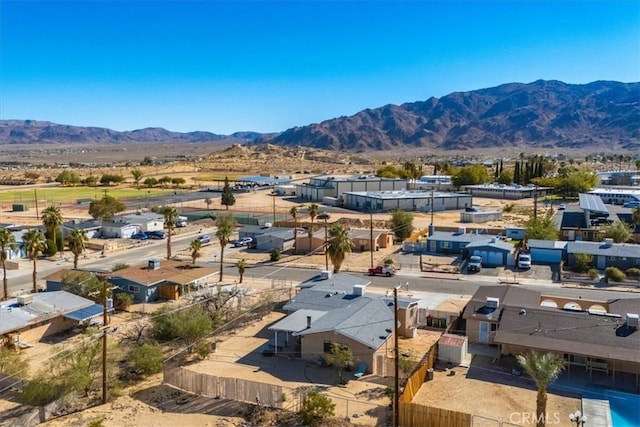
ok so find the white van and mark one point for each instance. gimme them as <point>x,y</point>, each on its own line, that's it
<point>524,261</point>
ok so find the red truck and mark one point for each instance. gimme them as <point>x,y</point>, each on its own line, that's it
<point>382,271</point>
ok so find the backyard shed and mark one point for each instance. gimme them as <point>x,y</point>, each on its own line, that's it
<point>480,217</point>
<point>452,348</point>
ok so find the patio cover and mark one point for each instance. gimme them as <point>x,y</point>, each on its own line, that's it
<point>85,313</point>
<point>297,321</point>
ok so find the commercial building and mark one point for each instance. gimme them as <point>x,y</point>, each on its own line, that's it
<point>503,191</point>
<point>423,201</point>
<point>333,187</point>
<point>612,196</point>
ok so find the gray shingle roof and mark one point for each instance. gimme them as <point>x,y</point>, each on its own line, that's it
<point>297,321</point>
<point>496,244</point>
<point>600,248</point>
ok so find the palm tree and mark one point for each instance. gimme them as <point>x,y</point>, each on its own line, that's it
<point>52,220</point>
<point>76,241</point>
<point>7,242</point>
<point>226,225</point>
<point>294,213</point>
<point>195,246</point>
<point>137,176</point>
<point>635,215</point>
<point>170,219</point>
<point>34,243</point>
<point>543,369</point>
<point>241,265</point>
<point>313,213</point>
<point>208,201</point>
<point>338,245</point>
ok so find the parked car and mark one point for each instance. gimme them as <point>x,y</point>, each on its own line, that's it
<point>382,271</point>
<point>140,236</point>
<point>601,221</point>
<point>474,264</point>
<point>203,239</point>
<point>562,207</point>
<point>245,241</point>
<point>471,209</point>
<point>632,204</point>
<point>524,261</point>
<point>157,235</point>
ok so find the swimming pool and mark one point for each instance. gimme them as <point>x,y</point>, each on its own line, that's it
<point>625,407</point>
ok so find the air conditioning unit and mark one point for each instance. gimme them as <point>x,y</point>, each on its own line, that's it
<point>25,299</point>
<point>493,302</point>
<point>632,320</point>
<point>325,274</point>
<point>154,264</point>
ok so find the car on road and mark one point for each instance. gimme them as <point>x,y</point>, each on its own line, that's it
<point>140,236</point>
<point>524,261</point>
<point>203,239</point>
<point>382,271</point>
<point>632,204</point>
<point>562,207</point>
<point>474,264</point>
<point>157,235</point>
<point>245,241</point>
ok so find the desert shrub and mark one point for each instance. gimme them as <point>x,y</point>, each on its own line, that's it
<point>508,208</point>
<point>96,423</point>
<point>147,358</point>
<point>123,301</point>
<point>633,272</point>
<point>582,262</point>
<point>316,407</point>
<point>39,392</point>
<point>51,249</point>
<point>388,262</point>
<point>202,349</point>
<point>614,274</point>
<point>275,254</point>
<point>120,266</point>
<point>593,274</point>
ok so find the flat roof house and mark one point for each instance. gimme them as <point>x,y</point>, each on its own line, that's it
<point>605,254</point>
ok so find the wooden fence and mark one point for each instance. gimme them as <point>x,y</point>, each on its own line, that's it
<point>236,389</point>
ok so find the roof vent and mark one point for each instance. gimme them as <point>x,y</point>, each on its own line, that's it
<point>358,290</point>
<point>608,242</point>
<point>154,264</point>
<point>493,302</point>
<point>28,299</point>
<point>325,275</point>
<point>462,230</point>
<point>632,320</point>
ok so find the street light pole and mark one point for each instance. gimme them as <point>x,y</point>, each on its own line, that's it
<point>371,233</point>
<point>105,321</point>
<point>578,418</point>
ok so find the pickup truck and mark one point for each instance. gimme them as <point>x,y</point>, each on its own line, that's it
<point>382,271</point>
<point>474,264</point>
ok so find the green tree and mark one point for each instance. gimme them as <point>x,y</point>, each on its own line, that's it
<point>12,363</point>
<point>7,243</point>
<point>164,181</point>
<point>316,408</point>
<point>505,177</point>
<point>108,179</point>
<point>635,217</point>
<point>80,366</point>
<point>150,182</point>
<point>241,265</point>
<point>90,181</point>
<point>170,219</point>
<point>122,301</point>
<point>137,176</point>
<point>543,369</point>
<point>583,262</point>
<point>186,326</point>
<point>542,227</point>
<point>402,224</point>
<point>227,199</point>
<point>313,213</point>
<point>195,247</point>
<point>294,214</point>
<point>77,244</point>
<point>52,220</point>
<point>106,208</point>
<point>226,224</point>
<point>574,181</point>
<point>34,243</point>
<point>147,358</point>
<point>178,181</point>
<point>388,171</point>
<point>340,358</point>
<point>614,274</point>
<point>470,175</point>
<point>67,177</point>
<point>85,284</point>
<point>618,231</point>
<point>338,245</point>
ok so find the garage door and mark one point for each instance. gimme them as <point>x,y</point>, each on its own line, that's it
<point>495,258</point>
<point>545,256</point>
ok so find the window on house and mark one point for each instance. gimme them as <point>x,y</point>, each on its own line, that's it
<point>494,327</point>
<point>445,245</point>
<point>133,288</point>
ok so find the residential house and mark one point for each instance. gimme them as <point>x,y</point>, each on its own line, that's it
<point>546,251</point>
<point>92,227</point>
<point>55,281</point>
<point>336,309</point>
<point>166,279</point>
<point>29,318</point>
<point>605,254</point>
<point>362,241</point>
<point>148,221</point>
<point>494,252</point>
<point>118,230</point>
<point>281,239</point>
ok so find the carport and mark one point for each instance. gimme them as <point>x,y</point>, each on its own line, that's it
<point>295,322</point>
<point>494,253</point>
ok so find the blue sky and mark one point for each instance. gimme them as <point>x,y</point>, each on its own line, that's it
<point>225,66</point>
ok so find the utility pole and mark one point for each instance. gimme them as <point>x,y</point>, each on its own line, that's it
<point>535,201</point>
<point>396,375</point>
<point>326,252</point>
<point>35,194</point>
<point>105,321</point>
<point>371,233</point>
<point>274,208</point>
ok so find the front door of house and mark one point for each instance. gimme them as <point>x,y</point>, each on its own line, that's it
<point>601,262</point>
<point>483,333</point>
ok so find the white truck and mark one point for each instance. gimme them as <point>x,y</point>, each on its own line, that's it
<point>181,221</point>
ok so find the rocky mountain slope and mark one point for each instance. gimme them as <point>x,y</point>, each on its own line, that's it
<point>543,114</point>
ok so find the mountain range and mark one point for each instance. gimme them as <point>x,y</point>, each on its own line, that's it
<point>544,114</point>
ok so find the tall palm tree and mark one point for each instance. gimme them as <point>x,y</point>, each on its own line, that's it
<point>313,213</point>
<point>226,225</point>
<point>543,368</point>
<point>34,243</point>
<point>241,265</point>
<point>294,213</point>
<point>52,220</point>
<point>7,242</point>
<point>137,176</point>
<point>338,245</point>
<point>76,241</point>
<point>170,220</point>
<point>195,247</point>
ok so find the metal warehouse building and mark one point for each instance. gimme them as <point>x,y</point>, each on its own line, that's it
<point>502,191</point>
<point>384,201</point>
<point>330,186</point>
